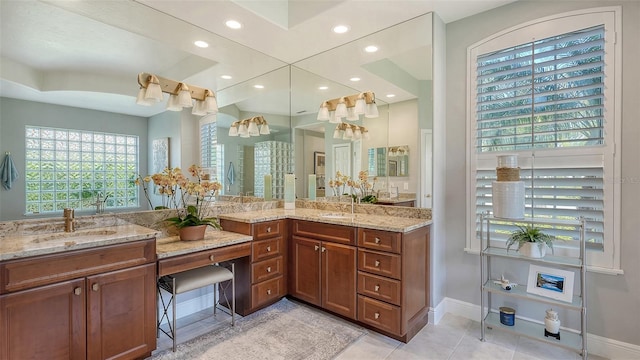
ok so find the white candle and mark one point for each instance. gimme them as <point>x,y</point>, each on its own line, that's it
<point>312,187</point>
<point>268,195</point>
<point>289,191</point>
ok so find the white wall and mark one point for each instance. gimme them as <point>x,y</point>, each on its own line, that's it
<point>613,300</point>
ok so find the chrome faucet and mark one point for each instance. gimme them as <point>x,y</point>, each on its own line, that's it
<point>69,220</point>
<point>100,203</point>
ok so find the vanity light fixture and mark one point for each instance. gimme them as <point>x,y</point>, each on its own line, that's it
<point>346,131</point>
<point>349,107</point>
<point>254,126</point>
<point>181,95</point>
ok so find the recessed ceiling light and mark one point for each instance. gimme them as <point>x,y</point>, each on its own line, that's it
<point>391,95</point>
<point>371,48</point>
<point>226,77</point>
<point>258,86</point>
<point>201,44</point>
<point>355,79</point>
<point>340,29</point>
<point>323,88</point>
<point>233,24</point>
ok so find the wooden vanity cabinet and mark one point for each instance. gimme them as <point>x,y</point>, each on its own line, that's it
<point>323,266</point>
<point>97,303</point>
<point>393,281</point>
<point>261,279</point>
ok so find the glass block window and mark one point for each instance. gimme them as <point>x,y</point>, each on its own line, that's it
<point>211,152</point>
<point>68,168</point>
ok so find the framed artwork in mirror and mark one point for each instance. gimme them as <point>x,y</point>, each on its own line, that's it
<point>393,168</point>
<point>319,168</point>
<point>160,157</point>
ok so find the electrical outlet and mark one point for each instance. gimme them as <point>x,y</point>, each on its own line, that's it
<point>406,186</point>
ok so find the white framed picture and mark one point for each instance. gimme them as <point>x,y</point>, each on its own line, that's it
<point>550,282</point>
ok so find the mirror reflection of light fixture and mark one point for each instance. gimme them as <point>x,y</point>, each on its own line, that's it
<point>398,150</point>
<point>349,107</point>
<point>254,126</point>
<point>346,131</point>
<point>181,95</point>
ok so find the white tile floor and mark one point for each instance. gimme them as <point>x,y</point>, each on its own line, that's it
<point>453,338</point>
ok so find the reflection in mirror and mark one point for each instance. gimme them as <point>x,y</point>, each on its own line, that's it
<point>398,160</point>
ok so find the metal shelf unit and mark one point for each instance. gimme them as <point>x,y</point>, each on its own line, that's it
<point>491,319</point>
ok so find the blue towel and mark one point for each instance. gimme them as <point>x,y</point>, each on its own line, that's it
<point>8,172</point>
<point>230,174</point>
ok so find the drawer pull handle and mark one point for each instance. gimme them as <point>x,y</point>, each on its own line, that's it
<point>377,288</point>
<point>377,240</point>
<point>95,287</point>
<point>268,291</point>
<point>377,263</point>
<point>268,269</point>
<point>269,248</point>
<point>324,249</point>
<point>211,257</point>
<point>317,247</point>
<point>376,315</point>
<point>269,229</point>
<point>77,291</point>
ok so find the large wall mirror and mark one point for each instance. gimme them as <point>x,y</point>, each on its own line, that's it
<point>288,101</point>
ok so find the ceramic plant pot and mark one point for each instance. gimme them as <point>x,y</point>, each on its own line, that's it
<point>191,233</point>
<point>532,250</point>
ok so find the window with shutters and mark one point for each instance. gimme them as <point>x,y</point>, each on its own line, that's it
<point>545,91</point>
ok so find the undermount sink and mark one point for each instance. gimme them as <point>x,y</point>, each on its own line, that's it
<point>75,234</point>
<point>336,216</point>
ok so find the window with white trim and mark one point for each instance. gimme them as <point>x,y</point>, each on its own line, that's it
<point>546,92</point>
<point>67,168</point>
<point>211,152</point>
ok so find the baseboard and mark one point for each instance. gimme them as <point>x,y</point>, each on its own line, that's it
<point>597,345</point>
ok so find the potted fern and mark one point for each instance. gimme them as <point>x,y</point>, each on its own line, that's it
<point>532,242</point>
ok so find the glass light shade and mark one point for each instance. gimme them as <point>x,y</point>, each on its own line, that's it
<point>323,113</point>
<point>333,118</point>
<point>360,105</point>
<point>253,129</point>
<point>199,108</point>
<point>357,134</point>
<point>211,104</point>
<point>184,98</point>
<point>348,133</point>
<point>341,110</point>
<point>336,134</point>
<point>243,131</point>
<point>233,131</point>
<point>264,129</point>
<point>173,104</point>
<point>371,110</point>
<point>140,100</point>
<point>351,114</point>
<point>365,135</point>
<point>154,92</point>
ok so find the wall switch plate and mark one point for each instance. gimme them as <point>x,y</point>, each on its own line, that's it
<point>406,186</point>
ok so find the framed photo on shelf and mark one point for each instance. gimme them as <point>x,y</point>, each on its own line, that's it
<point>550,282</point>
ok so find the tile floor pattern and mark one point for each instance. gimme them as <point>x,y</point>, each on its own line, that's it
<point>454,338</point>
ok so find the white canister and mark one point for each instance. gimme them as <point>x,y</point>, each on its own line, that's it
<point>551,322</point>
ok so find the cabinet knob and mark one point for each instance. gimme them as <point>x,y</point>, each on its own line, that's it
<point>324,249</point>
<point>377,264</point>
<point>377,240</point>
<point>211,257</point>
<point>377,288</point>
<point>269,269</point>
<point>95,287</point>
<point>268,291</point>
<point>77,291</point>
<point>376,315</point>
<point>269,229</point>
<point>269,248</point>
<point>317,247</point>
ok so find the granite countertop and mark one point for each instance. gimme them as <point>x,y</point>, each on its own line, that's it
<point>369,221</point>
<point>172,245</point>
<point>395,200</point>
<point>14,246</point>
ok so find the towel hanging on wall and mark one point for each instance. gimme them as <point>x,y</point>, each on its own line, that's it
<point>8,171</point>
<point>230,173</point>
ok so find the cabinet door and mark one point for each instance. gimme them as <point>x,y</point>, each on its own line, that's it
<point>121,312</point>
<point>47,322</point>
<point>339,279</point>
<point>305,272</point>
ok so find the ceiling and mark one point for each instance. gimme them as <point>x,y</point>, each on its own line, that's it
<point>87,53</point>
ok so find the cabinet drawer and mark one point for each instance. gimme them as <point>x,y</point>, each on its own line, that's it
<point>327,232</point>
<point>265,249</point>
<point>185,262</point>
<point>267,291</point>
<point>379,287</point>
<point>380,263</point>
<point>380,240</point>
<point>266,269</point>
<point>48,269</point>
<point>267,229</point>
<point>379,314</point>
